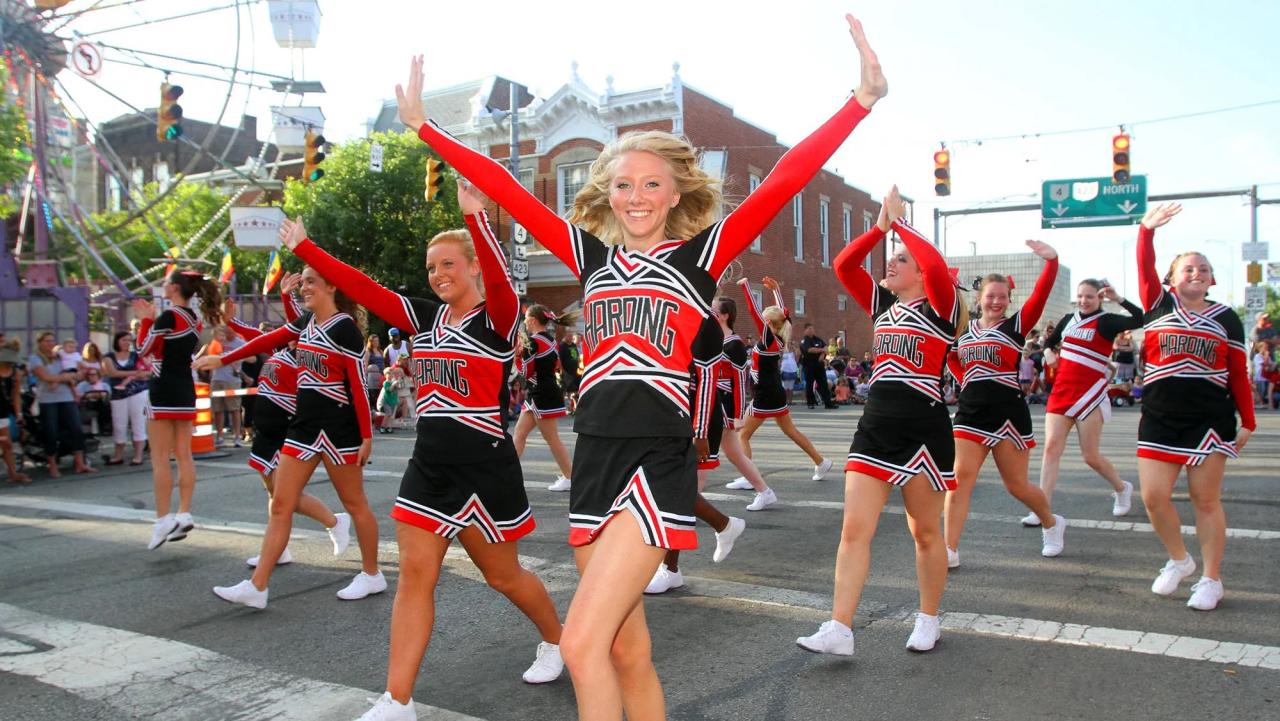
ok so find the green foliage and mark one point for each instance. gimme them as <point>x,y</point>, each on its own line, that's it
<point>14,143</point>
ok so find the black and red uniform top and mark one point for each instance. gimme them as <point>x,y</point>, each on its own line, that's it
<point>707,351</point>
<point>731,377</point>
<point>278,380</point>
<point>539,361</point>
<point>642,308</point>
<point>460,365</point>
<point>912,338</point>
<point>766,354</point>
<point>1086,342</point>
<point>170,340</point>
<point>1195,359</point>
<point>985,360</point>
<point>330,355</point>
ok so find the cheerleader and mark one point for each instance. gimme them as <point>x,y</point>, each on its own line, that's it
<point>545,401</point>
<point>332,424</point>
<point>993,416</point>
<point>278,389</point>
<point>904,435</point>
<point>769,402</point>
<point>463,480</point>
<point>1080,349</point>
<point>644,242</point>
<point>1196,381</point>
<point>170,340</point>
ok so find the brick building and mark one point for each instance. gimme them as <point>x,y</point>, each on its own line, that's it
<point>561,135</point>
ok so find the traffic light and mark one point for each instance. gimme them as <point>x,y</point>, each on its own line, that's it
<point>942,172</point>
<point>312,157</point>
<point>1120,158</point>
<point>169,114</point>
<point>435,179</point>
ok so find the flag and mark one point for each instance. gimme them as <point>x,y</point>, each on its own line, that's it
<point>173,252</point>
<point>274,271</point>
<point>228,268</point>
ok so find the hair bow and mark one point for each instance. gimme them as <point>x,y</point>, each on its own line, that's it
<point>955,277</point>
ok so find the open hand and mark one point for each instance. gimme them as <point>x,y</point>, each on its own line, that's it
<point>366,449</point>
<point>1109,293</point>
<point>207,363</point>
<point>143,308</point>
<point>1160,215</point>
<point>470,200</point>
<point>290,282</point>
<point>292,232</point>
<point>703,448</point>
<point>872,84</point>
<point>1042,249</point>
<point>1242,437</point>
<point>893,209</point>
<point>228,309</point>
<point>769,283</point>
<point>409,97</point>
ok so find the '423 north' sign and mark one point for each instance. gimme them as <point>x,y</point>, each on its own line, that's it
<point>1089,202</point>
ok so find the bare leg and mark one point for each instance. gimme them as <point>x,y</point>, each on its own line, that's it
<point>308,505</point>
<point>1089,431</point>
<point>551,434</point>
<point>500,564</point>
<point>1205,481</point>
<point>519,435</point>
<point>161,434</point>
<point>1013,465</point>
<point>924,509</point>
<point>289,480</point>
<point>750,425</point>
<point>788,427</point>
<point>864,498</point>
<point>414,610</point>
<point>348,481</point>
<point>1156,479</point>
<point>732,449</point>
<point>969,459</point>
<point>186,464</point>
<point>1056,427</point>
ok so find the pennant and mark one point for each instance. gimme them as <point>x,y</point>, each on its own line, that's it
<point>274,271</point>
<point>228,268</point>
<point>174,253</point>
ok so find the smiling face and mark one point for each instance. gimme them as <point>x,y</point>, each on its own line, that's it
<point>316,292</point>
<point>1191,276</point>
<point>994,299</point>
<point>451,275</point>
<point>1087,298</point>
<point>642,191</point>
<point>901,272</point>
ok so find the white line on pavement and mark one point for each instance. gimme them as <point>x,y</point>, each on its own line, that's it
<point>139,674</point>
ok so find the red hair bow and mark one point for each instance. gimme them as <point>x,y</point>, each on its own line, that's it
<point>1010,279</point>
<point>955,277</point>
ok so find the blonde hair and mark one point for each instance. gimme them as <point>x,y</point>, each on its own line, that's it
<point>700,195</point>
<point>1168,277</point>
<point>462,239</point>
<point>778,322</point>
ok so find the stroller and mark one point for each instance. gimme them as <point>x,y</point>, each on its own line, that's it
<point>31,436</point>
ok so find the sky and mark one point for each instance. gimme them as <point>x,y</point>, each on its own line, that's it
<point>966,74</point>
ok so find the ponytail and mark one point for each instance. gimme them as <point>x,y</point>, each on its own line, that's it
<point>194,283</point>
<point>545,316</point>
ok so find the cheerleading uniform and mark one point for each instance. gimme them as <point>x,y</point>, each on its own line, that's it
<point>170,340</point>
<point>1080,382</point>
<point>992,406</point>
<point>538,364</point>
<point>905,429</point>
<point>643,309</point>
<point>278,389</point>
<point>708,359</point>
<point>1196,378</point>
<point>464,470</point>
<point>769,399</point>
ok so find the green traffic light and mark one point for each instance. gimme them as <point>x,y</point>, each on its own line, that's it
<point>315,175</point>
<point>173,132</point>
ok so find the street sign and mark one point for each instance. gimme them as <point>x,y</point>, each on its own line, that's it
<point>1253,273</point>
<point>1255,299</point>
<point>522,287</point>
<point>375,158</point>
<point>86,59</point>
<point>519,269</point>
<point>1090,202</point>
<point>1273,272</point>
<point>1254,252</point>
<point>519,234</point>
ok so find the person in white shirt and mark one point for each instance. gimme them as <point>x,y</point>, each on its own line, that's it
<point>396,347</point>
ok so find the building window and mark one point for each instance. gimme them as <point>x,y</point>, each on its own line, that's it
<point>526,175</point>
<point>842,302</point>
<point>137,178</point>
<point>753,182</point>
<point>797,220</point>
<point>114,193</point>
<point>757,296</point>
<point>161,174</point>
<point>798,304</point>
<point>866,227</point>
<point>569,180</point>
<point>848,226</point>
<point>824,231</point>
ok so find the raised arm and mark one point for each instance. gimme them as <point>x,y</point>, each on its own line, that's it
<point>1150,287</point>
<point>152,330</point>
<point>752,310</point>
<point>938,286</point>
<point>500,298</point>
<point>855,278</point>
<point>1030,312</point>
<point>264,343</point>
<point>554,233</point>
<point>292,308</point>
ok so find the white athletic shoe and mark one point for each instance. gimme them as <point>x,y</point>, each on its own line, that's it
<point>763,500</point>
<point>363,585</point>
<point>925,634</point>
<point>547,667</point>
<point>161,530</point>
<point>1205,594</point>
<point>739,484</point>
<point>1172,574</point>
<point>664,580</point>
<point>820,470</point>
<point>832,637</point>
<point>1124,500</point>
<point>340,534</point>
<point>1052,537</point>
<point>953,557</point>
<point>1031,520</point>
<point>184,525</point>
<point>725,538</point>
<point>284,560</point>
<point>243,593</point>
<point>386,708</point>
<point>561,484</point>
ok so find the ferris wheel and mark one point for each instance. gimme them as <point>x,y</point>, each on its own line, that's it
<point>74,65</point>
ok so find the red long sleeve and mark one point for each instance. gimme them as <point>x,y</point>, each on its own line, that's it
<point>149,344</point>
<point>265,343</point>
<point>245,331</point>
<point>752,310</point>
<point>1031,311</point>
<point>848,268</point>
<point>292,309</point>
<point>359,398</point>
<point>938,287</point>
<point>1238,379</point>
<point>1150,288</point>
<point>500,300</point>
<point>385,304</point>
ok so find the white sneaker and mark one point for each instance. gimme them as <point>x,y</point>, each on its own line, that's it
<point>820,470</point>
<point>547,667</point>
<point>739,484</point>
<point>340,534</point>
<point>284,560</point>
<point>561,484</point>
<point>925,634</point>
<point>725,538</point>
<point>1205,594</point>
<point>832,637</point>
<point>1172,574</point>
<point>244,593</point>
<point>1031,520</point>
<point>1124,500</point>
<point>1052,537</point>
<point>664,580</point>
<point>763,500</point>
<point>386,708</point>
<point>184,525</point>
<point>161,530</point>
<point>953,558</point>
<point>363,585</point>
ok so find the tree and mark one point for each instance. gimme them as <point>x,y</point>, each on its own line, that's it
<point>14,141</point>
